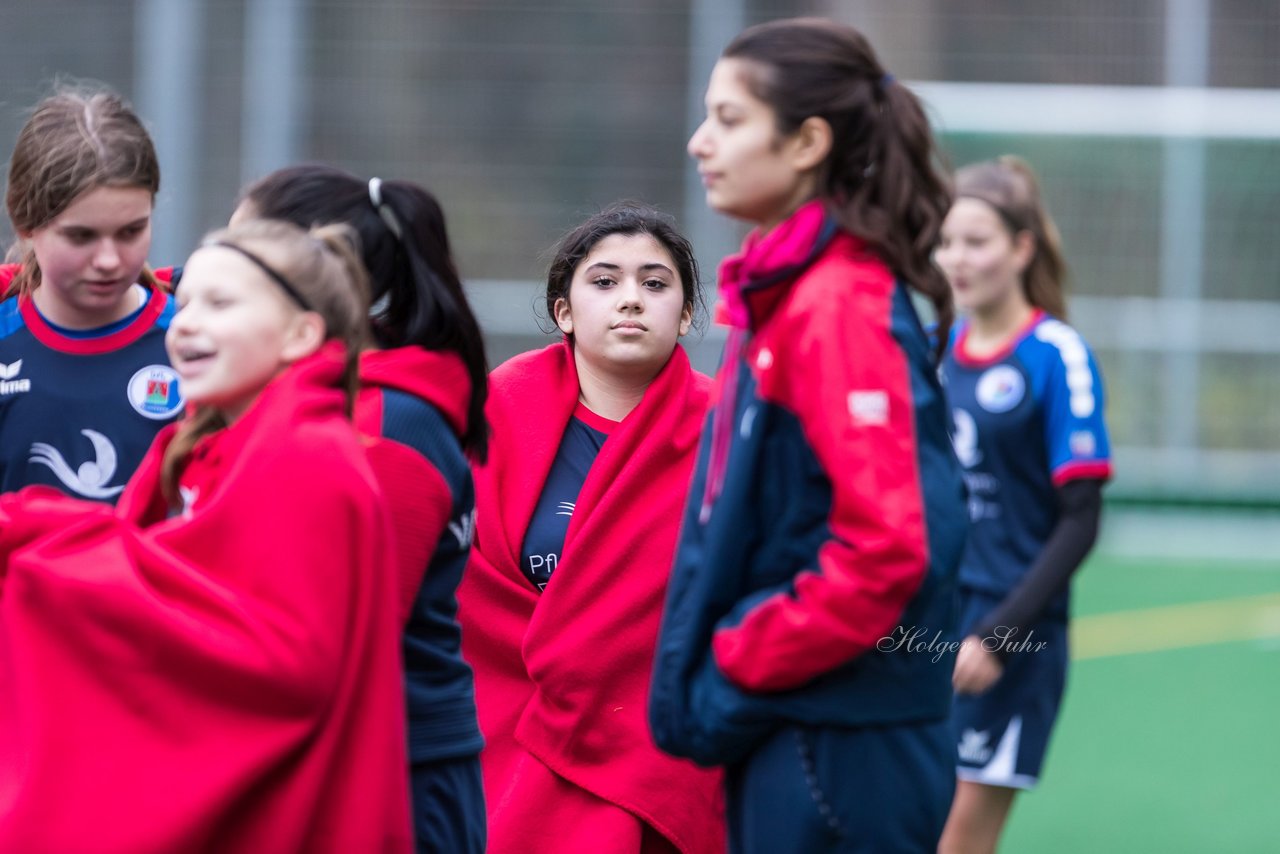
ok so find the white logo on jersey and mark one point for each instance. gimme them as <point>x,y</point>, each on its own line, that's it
<point>965,440</point>
<point>748,420</point>
<point>1075,358</point>
<point>189,499</point>
<point>973,746</point>
<point>869,408</point>
<point>564,508</point>
<point>1083,443</point>
<point>9,384</point>
<point>1000,389</point>
<point>464,529</point>
<point>90,479</point>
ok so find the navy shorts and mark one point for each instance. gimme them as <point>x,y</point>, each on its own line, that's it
<point>1002,735</point>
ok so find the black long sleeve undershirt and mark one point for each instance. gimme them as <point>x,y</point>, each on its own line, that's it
<point>1080,503</point>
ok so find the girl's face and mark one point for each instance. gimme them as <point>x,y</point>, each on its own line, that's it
<point>750,172</point>
<point>626,306</point>
<point>981,258</point>
<point>234,331</point>
<point>91,254</point>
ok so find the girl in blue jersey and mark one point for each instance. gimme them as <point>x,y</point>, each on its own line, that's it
<point>423,387</point>
<point>826,515</point>
<point>1027,402</point>
<point>85,383</point>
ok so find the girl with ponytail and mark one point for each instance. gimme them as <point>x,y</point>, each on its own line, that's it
<point>826,515</point>
<point>1027,400</point>
<point>221,645</point>
<point>423,388</point>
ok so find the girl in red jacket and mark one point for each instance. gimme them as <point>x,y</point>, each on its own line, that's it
<point>212,665</point>
<point>422,386</point>
<point>808,635</point>
<point>578,511</point>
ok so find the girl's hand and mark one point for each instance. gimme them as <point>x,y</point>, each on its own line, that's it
<point>976,668</point>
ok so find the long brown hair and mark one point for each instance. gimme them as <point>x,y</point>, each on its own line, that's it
<point>324,267</point>
<point>1009,185</point>
<point>883,180</point>
<point>80,138</point>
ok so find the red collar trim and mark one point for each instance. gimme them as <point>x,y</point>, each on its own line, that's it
<point>55,340</point>
<point>962,340</point>
<point>594,421</point>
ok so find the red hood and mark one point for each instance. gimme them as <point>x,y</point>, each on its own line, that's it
<point>439,378</point>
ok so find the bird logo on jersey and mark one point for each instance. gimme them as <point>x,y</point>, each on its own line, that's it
<point>91,478</point>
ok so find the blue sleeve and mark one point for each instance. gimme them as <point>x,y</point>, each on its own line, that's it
<point>1070,390</point>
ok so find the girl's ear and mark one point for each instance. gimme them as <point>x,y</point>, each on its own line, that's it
<point>564,316</point>
<point>1024,249</point>
<point>809,146</point>
<point>686,320</point>
<point>303,337</point>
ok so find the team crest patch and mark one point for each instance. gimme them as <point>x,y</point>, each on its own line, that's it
<point>154,392</point>
<point>1000,389</point>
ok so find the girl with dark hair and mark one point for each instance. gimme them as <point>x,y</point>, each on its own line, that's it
<point>211,664</point>
<point>826,515</point>
<point>579,507</point>
<point>422,387</point>
<point>1027,401</point>
<point>85,384</point>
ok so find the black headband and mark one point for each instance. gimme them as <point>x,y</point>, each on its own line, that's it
<point>280,280</point>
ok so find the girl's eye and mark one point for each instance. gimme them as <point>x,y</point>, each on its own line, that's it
<point>655,284</point>
<point>603,282</point>
<point>80,238</point>
<point>132,232</point>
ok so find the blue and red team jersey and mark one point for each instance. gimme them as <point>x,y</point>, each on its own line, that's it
<point>1027,420</point>
<point>79,409</point>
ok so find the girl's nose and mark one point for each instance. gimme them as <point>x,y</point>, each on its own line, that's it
<point>630,296</point>
<point>697,146</point>
<point>107,257</point>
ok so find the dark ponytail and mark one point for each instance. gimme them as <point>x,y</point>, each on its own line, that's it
<point>417,292</point>
<point>883,180</point>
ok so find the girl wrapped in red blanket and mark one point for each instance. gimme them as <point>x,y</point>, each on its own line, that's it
<point>578,510</point>
<point>212,665</point>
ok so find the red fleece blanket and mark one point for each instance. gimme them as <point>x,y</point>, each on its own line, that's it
<point>565,675</point>
<point>223,680</point>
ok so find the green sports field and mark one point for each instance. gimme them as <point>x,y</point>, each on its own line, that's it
<point>1170,735</point>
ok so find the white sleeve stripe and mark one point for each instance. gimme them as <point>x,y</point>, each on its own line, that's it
<point>1075,357</point>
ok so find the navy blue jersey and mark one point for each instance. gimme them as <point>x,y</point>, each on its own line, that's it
<point>544,541</point>
<point>79,409</point>
<point>1027,420</point>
